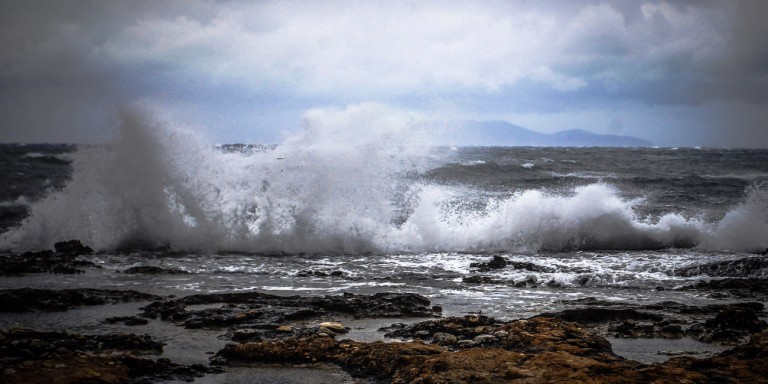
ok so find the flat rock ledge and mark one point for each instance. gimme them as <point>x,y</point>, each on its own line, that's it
<point>52,300</point>
<point>266,312</point>
<point>483,350</point>
<point>64,260</point>
<point>30,357</point>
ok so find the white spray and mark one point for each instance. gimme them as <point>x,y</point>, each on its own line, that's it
<point>348,182</point>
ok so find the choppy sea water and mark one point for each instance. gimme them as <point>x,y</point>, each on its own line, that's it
<point>329,211</point>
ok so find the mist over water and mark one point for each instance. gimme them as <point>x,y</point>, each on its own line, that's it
<point>352,181</point>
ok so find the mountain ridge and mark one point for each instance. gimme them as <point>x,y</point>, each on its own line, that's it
<point>502,133</point>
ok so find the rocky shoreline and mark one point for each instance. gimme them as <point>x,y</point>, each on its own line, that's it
<point>296,331</point>
<point>419,344</point>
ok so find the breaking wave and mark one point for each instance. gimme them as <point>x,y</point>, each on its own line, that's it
<point>351,181</point>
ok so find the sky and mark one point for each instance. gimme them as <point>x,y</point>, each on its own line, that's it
<point>676,73</point>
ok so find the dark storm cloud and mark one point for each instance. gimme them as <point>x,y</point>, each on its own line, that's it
<point>50,79</point>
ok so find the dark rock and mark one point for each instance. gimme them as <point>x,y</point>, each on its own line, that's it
<point>736,318</point>
<point>127,320</point>
<point>27,299</point>
<point>666,320</point>
<point>153,270</point>
<point>311,273</point>
<point>496,262</point>
<point>602,315</point>
<point>591,301</point>
<point>270,311</point>
<point>42,262</point>
<point>752,287</point>
<point>467,327</point>
<point>74,247</point>
<point>28,356</point>
<point>746,267</point>
<point>539,350</point>
<point>478,279</point>
<point>413,362</point>
<point>525,266</point>
<point>443,338</point>
<point>731,325</point>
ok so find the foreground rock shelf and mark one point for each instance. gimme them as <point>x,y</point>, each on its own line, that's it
<point>29,357</point>
<point>538,350</point>
<point>300,332</point>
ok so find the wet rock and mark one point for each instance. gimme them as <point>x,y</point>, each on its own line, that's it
<point>443,338</point>
<point>736,318</point>
<point>268,312</point>
<point>479,279</point>
<point>666,320</point>
<point>311,273</point>
<point>747,288</point>
<point>127,320</point>
<point>334,326</point>
<point>414,362</point>
<point>29,356</point>
<point>525,266</point>
<point>247,335</point>
<point>731,325</point>
<point>460,327</point>
<point>65,260</point>
<point>153,270</point>
<point>496,262</point>
<point>42,262</point>
<point>484,339</point>
<point>28,343</point>
<point>539,350</point>
<point>746,267</point>
<point>72,247</point>
<point>27,299</point>
<point>602,315</point>
<point>743,364</point>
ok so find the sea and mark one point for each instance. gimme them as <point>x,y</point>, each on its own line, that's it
<point>332,209</point>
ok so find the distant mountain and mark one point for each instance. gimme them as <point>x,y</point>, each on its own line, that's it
<point>502,133</point>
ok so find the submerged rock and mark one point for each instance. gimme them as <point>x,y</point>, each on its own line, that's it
<point>746,288</point>
<point>496,262</point>
<point>153,270</point>
<point>746,267</point>
<point>127,320</point>
<point>42,262</point>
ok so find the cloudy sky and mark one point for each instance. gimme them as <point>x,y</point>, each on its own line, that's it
<point>673,72</point>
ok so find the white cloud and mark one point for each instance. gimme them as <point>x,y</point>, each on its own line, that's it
<point>355,48</point>
<point>231,57</point>
<point>365,50</point>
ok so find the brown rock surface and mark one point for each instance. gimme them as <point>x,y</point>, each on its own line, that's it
<point>539,350</point>
<point>30,357</point>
